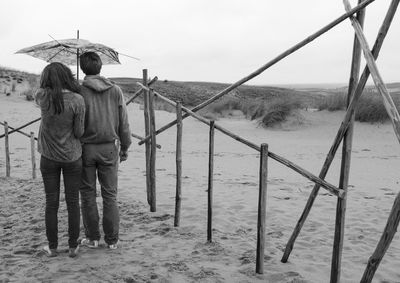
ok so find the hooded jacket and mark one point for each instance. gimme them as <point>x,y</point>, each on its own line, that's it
<point>106,116</point>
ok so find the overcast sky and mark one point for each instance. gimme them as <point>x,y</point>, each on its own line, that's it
<point>202,40</point>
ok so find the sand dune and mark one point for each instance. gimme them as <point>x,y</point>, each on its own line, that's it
<point>155,251</point>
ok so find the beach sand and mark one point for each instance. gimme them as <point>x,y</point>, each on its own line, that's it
<point>153,250</point>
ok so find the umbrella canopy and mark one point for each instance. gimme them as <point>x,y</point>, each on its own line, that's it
<point>67,50</point>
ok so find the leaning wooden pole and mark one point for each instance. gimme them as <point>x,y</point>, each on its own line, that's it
<point>346,160</point>
<point>21,127</point>
<point>210,182</point>
<point>21,132</point>
<point>7,147</point>
<point>384,242</point>
<point>343,127</point>
<point>153,151</point>
<point>147,131</point>
<point>33,155</point>
<point>178,195</point>
<point>378,81</point>
<point>269,64</point>
<point>262,207</point>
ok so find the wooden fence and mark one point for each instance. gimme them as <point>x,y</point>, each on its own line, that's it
<point>356,86</point>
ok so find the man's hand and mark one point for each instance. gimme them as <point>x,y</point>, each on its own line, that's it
<point>123,155</point>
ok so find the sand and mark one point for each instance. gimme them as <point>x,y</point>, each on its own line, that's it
<point>153,250</point>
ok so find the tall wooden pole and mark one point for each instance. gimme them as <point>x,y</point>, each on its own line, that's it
<point>384,242</point>
<point>153,151</point>
<point>147,131</point>
<point>210,182</point>
<point>178,196</point>
<point>343,127</point>
<point>346,158</point>
<point>33,157</point>
<point>7,147</point>
<point>77,58</point>
<point>262,207</point>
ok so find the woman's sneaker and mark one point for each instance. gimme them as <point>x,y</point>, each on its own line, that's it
<point>73,252</point>
<point>89,243</point>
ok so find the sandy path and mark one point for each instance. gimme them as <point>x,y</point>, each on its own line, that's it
<point>155,251</point>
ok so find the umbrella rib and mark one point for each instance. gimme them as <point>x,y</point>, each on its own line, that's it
<point>48,60</point>
<point>114,59</point>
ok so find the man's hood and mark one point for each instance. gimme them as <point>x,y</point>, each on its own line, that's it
<point>97,83</point>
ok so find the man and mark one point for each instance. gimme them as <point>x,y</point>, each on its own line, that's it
<point>106,126</point>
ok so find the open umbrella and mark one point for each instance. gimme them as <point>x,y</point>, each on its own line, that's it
<point>67,51</point>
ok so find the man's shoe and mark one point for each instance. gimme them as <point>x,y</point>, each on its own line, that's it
<point>73,252</point>
<point>50,252</point>
<point>89,243</point>
<point>113,246</point>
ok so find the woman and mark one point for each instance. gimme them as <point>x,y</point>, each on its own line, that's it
<point>62,124</point>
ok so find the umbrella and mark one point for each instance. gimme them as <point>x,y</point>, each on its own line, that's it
<point>67,51</point>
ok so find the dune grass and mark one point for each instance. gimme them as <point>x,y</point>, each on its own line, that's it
<point>267,112</point>
<point>369,109</point>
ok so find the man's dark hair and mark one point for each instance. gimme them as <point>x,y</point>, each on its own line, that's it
<point>90,63</point>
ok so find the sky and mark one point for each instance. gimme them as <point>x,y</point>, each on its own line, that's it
<point>202,40</point>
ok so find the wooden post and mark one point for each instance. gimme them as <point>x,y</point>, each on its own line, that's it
<point>19,131</point>
<point>33,158</point>
<point>178,196</point>
<point>153,149</point>
<point>262,206</point>
<point>269,64</point>
<point>7,146</point>
<point>384,242</point>
<point>77,58</point>
<point>343,127</point>
<point>210,182</point>
<point>345,165</point>
<point>147,131</point>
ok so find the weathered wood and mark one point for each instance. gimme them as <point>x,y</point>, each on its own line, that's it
<point>139,92</point>
<point>262,208</point>
<point>147,131</point>
<point>346,159</point>
<point>210,182</point>
<point>380,85</point>
<point>268,65</point>
<point>384,242</point>
<point>21,132</point>
<point>178,196</point>
<point>33,155</point>
<point>343,127</point>
<point>21,127</point>
<point>7,147</point>
<point>153,151</point>
<point>331,188</point>
<point>136,136</point>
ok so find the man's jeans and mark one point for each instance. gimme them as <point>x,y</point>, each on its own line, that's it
<point>103,159</point>
<point>51,171</point>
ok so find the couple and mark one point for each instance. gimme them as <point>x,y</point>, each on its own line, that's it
<point>80,133</point>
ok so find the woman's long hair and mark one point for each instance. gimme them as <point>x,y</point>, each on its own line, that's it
<point>56,77</point>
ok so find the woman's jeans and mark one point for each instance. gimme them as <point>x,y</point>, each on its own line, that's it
<point>51,172</point>
<point>100,160</point>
